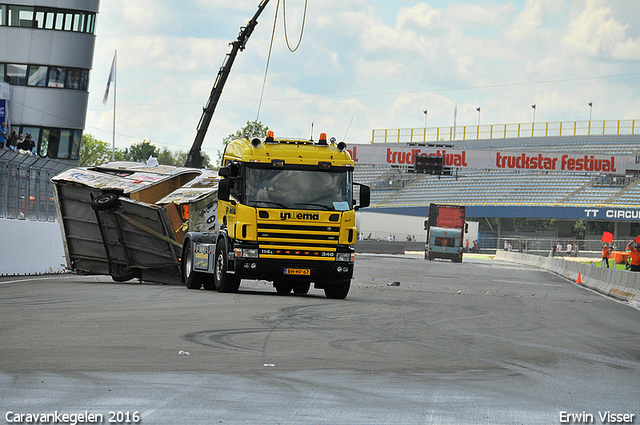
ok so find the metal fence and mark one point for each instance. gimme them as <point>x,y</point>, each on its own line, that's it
<point>504,131</point>
<point>25,186</point>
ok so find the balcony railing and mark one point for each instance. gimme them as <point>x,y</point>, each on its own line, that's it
<point>506,131</point>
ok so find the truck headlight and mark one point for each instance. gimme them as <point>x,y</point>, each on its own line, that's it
<point>246,252</point>
<point>346,257</point>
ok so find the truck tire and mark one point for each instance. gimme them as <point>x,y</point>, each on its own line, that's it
<point>223,281</point>
<point>301,288</point>
<point>337,291</point>
<point>283,287</point>
<point>105,201</point>
<point>192,279</point>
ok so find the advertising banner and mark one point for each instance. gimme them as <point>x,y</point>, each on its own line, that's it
<point>4,111</point>
<point>530,211</point>
<point>493,159</point>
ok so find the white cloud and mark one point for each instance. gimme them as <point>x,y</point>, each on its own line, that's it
<point>378,66</point>
<point>595,32</point>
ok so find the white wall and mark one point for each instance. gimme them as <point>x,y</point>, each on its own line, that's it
<point>30,247</point>
<point>382,225</point>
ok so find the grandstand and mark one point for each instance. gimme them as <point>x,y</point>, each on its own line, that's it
<point>564,196</point>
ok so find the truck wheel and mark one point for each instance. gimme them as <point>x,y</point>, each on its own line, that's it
<point>223,281</point>
<point>337,291</point>
<point>192,279</point>
<point>104,202</point>
<point>301,288</point>
<point>283,288</point>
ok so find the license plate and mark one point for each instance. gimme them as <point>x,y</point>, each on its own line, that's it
<point>303,272</point>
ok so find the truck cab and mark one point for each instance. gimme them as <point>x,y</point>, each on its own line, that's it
<point>286,212</point>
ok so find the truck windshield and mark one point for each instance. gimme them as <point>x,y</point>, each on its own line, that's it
<point>298,189</point>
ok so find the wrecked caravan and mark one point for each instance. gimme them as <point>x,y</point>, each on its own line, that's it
<point>128,220</point>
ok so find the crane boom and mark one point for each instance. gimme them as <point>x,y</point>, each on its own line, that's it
<point>194,158</point>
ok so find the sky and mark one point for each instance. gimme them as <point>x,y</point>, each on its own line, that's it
<point>361,65</point>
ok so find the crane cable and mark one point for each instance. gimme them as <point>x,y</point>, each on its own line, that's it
<point>304,20</point>
<point>286,37</point>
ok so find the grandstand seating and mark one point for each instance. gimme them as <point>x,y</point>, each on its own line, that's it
<point>395,186</point>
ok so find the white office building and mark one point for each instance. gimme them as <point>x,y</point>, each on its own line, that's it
<point>46,54</point>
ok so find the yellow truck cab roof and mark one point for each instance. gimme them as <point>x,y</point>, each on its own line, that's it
<point>292,151</point>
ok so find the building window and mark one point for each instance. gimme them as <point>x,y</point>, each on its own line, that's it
<point>57,76</point>
<point>34,132</point>
<point>47,18</point>
<point>44,76</point>
<point>59,21</point>
<point>84,79</point>
<point>37,76</point>
<point>91,23</point>
<point>68,21</point>
<point>39,23</point>
<point>21,16</point>
<point>73,79</point>
<point>16,74</point>
<point>55,143</point>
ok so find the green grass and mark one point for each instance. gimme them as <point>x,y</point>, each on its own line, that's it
<point>599,264</point>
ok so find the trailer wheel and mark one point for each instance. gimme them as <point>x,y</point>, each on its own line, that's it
<point>301,288</point>
<point>124,275</point>
<point>104,202</point>
<point>192,279</point>
<point>223,281</point>
<point>283,287</point>
<point>337,291</point>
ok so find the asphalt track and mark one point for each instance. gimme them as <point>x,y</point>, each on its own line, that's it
<point>415,342</point>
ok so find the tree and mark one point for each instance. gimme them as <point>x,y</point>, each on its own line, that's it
<point>93,151</point>
<point>252,130</point>
<point>140,152</point>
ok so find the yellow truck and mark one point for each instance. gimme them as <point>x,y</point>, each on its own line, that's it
<point>286,214</point>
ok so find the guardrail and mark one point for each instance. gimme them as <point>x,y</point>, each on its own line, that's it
<point>506,131</point>
<point>621,284</point>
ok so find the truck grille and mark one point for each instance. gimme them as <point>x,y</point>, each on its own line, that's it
<point>294,241</point>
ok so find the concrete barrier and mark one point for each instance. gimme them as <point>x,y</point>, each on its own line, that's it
<point>30,247</point>
<point>381,247</point>
<point>621,284</point>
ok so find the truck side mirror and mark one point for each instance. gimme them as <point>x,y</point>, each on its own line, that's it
<point>365,196</point>
<point>231,170</point>
<point>224,189</point>
<point>466,227</point>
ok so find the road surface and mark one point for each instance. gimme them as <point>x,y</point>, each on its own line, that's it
<point>482,342</point>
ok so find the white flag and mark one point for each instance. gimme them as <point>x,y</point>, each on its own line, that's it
<point>112,77</point>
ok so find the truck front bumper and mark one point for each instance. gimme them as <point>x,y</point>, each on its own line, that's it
<point>287,270</point>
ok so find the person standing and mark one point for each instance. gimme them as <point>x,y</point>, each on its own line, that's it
<point>605,255</point>
<point>27,144</point>
<point>3,135</point>
<point>12,141</point>
<point>635,257</point>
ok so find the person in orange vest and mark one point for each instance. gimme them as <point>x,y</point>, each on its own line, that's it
<point>635,257</point>
<point>605,255</point>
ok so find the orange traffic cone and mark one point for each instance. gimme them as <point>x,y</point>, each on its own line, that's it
<point>578,281</point>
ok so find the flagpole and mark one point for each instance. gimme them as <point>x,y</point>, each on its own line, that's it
<point>115,91</point>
